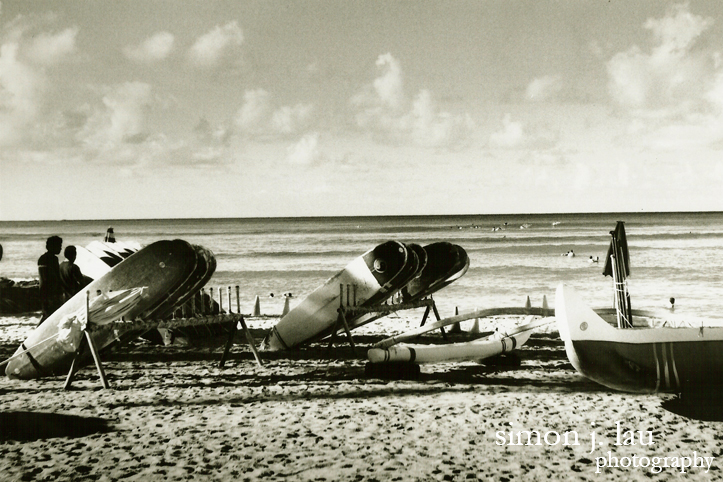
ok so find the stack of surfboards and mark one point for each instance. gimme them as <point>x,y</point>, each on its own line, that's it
<point>377,275</point>
<point>171,272</point>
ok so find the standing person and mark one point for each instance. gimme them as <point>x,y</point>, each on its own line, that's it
<point>71,277</point>
<point>51,289</point>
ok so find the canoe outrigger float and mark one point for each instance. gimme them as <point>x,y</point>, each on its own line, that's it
<point>632,359</point>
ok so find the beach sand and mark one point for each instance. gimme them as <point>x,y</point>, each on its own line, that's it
<point>310,414</point>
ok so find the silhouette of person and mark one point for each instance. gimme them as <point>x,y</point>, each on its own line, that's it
<point>51,289</point>
<point>109,235</point>
<point>71,277</point>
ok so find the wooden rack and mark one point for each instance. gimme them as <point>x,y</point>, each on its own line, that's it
<point>350,311</point>
<point>121,326</point>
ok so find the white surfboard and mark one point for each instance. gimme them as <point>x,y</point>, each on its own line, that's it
<point>373,274</point>
<point>90,264</point>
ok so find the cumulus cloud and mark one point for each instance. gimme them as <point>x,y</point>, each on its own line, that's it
<point>27,56</point>
<point>258,117</point>
<point>383,108</point>
<point>674,91</point>
<point>671,74</point>
<point>254,111</point>
<point>543,88</point>
<point>211,47</point>
<point>432,128</point>
<point>306,151</point>
<point>47,48</point>
<point>291,119</point>
<point>389,85</point>
<point>511,135</point>
<point>122,119</point>
<point>155,48</point>
<point>21,90</point>
<point>517,135</point>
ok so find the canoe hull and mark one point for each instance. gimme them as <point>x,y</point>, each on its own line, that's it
<point>453,352</point>
<point>641,360</point>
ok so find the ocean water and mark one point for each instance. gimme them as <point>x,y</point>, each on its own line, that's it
<point>676,255</point>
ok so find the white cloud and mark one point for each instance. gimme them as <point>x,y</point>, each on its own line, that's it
<point>212,46</point>
<point>437,129</point>
<point>48,48</point>
<point>254,111</point>
<point>154,48</point>
<point>673,93</point>
<point>21,91</point>
<point>389,85</point>
<point>384,109</point>
<point>122,119</point>
<point>306,151</point>
<point>516,135</point>
<point>26,59</point>
<point>544,88</point>
<point>672,76</point>
<point>289,120</point>
<point>256,116</point>
<point>511,135</point>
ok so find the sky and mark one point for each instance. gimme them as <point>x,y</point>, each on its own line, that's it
<point>205,109</point>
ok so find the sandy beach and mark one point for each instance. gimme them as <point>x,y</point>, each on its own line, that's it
<point>313,414</point>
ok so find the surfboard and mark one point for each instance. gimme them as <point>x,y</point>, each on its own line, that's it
<point>124,248</point>
<point>375,274</point>
<point>90,265</point>
<point>106,254</point>
<point>471,350</point>
<point>446,262</point>
<point>160,267</point>
<point>205,267</point>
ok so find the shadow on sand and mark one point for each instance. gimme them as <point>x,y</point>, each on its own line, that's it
<point>700,404</point>
<point>29,426</point>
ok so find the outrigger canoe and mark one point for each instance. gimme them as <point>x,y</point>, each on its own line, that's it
<point>641,360</point>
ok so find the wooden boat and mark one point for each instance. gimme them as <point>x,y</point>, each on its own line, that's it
<point>161,267</point>
<point>642,360</point>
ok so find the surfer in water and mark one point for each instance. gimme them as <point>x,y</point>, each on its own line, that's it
<point>51,289</point>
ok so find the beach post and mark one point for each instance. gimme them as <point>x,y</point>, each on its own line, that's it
<point>257,306</point>
<point>544,303</point>
<point>528,305</point>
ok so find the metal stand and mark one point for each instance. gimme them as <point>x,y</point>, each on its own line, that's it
<point>349,311</point>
